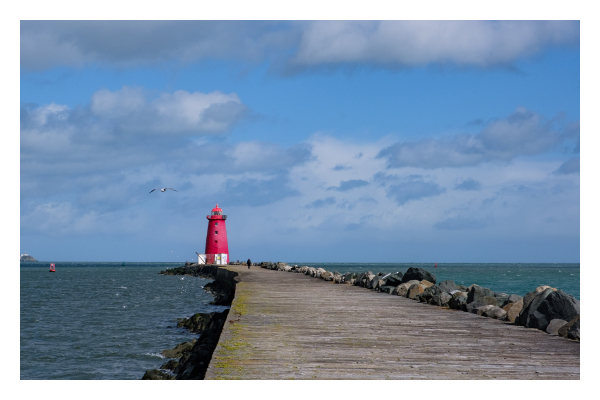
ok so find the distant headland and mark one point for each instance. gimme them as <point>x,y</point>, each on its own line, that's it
<point>27,257</point>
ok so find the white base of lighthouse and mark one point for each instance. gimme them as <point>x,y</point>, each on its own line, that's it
<point>219,259</point>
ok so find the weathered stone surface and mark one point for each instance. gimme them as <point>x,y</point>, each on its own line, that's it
<point>501,298</point>
<point>540,289</point>
<point>365,278</point>
<point>573,332</point>
<point>338,278</point>
<point>481,301</point>
<point>418,274</point>
<point>319,272</point>
<point>414,291</point>
<point>447,286</point>
<point>394,279</point>
<point>570,329</point>
<point>170,365</point>
<point>387,289</point>
<point>513,310</point>
<point>326,276</point>
<point>402,289</point>
<point>196,323</point>
<point>445,298</point>
<point>179,350</point>
<point>428,293</point>
<point>459,293</point>
<point>426,283</point>
<point>513,298</point>
<point>193,364</point>
<point>556,305</point>
<point>481,309</point>
<point>529,317</point>
<point>348,276</point>
<point>373,282</point>
<point>495,312</point>
<point>458,303</point>
<point>157,374</point>
<point>477,292</point>
<point>287,268</point>
<point>555,325</point>
<point>479,296</point>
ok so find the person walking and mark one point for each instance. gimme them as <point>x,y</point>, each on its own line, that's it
<point>249,263</point>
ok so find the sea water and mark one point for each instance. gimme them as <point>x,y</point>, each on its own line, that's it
<point>103,320</point>
<point>109,321</point>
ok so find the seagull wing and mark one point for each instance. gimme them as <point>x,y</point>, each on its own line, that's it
<point>171,189</point>
<point>151,191</point>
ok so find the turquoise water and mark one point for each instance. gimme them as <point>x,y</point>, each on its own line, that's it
<point>507,278</point>
<point>108,321</point>
<point>103,320</point>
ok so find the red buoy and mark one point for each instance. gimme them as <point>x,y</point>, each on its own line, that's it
<point>217,249</point>
<point>435,265</point>
<point>52,268</point>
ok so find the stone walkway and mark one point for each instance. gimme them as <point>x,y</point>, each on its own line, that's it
<point>286,325</point>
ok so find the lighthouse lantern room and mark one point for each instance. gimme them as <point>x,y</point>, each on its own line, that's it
<point>216,249</point>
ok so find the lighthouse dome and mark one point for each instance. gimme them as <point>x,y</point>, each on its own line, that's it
<point>216,210</point>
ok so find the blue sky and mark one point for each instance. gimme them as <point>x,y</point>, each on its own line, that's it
<point>394,141</point>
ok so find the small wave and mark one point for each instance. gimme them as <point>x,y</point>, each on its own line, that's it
<point>154,355</point>
<point>122,287</point>
<point>182,278</point>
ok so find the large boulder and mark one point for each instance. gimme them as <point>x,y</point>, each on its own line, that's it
<point>570,329</point>
<point>513,310</point>
<point>555,325</point>
<point>157,374</point>
<point>458,302</point>
<point>557,305</point>
<point>482,309</point>
<point>529,316</point>
<point>442,299</point>
<point>402,289</point>
<point>447,286</point>
<point>372,282</point>
<point>478,297</point>
<point>394,279</point>
<point>319,272</point>
<point>364,278</point>
<point>197,322</point>
<point>513,298</point>
<point>415,290</point>
<point>501,298</point>
<point>418,274</point>
<point>327,276</point>
<point>428,293</point>
<point>179,350</point>
<point>477,292</point>
<point>494,312</point>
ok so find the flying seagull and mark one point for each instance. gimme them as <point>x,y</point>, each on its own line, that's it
<point>162,190</point>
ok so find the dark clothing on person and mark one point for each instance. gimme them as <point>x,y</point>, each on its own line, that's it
<point>249,263</point>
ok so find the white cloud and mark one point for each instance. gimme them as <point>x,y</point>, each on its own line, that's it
<point>523,133</point>
<point>180,112</point>
<point>300,45</point>
<point>417,43</point>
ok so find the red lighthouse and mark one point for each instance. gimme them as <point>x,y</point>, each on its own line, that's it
<point>216,250</point>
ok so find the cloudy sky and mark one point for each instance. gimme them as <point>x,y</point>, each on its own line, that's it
<point>393,141</point>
